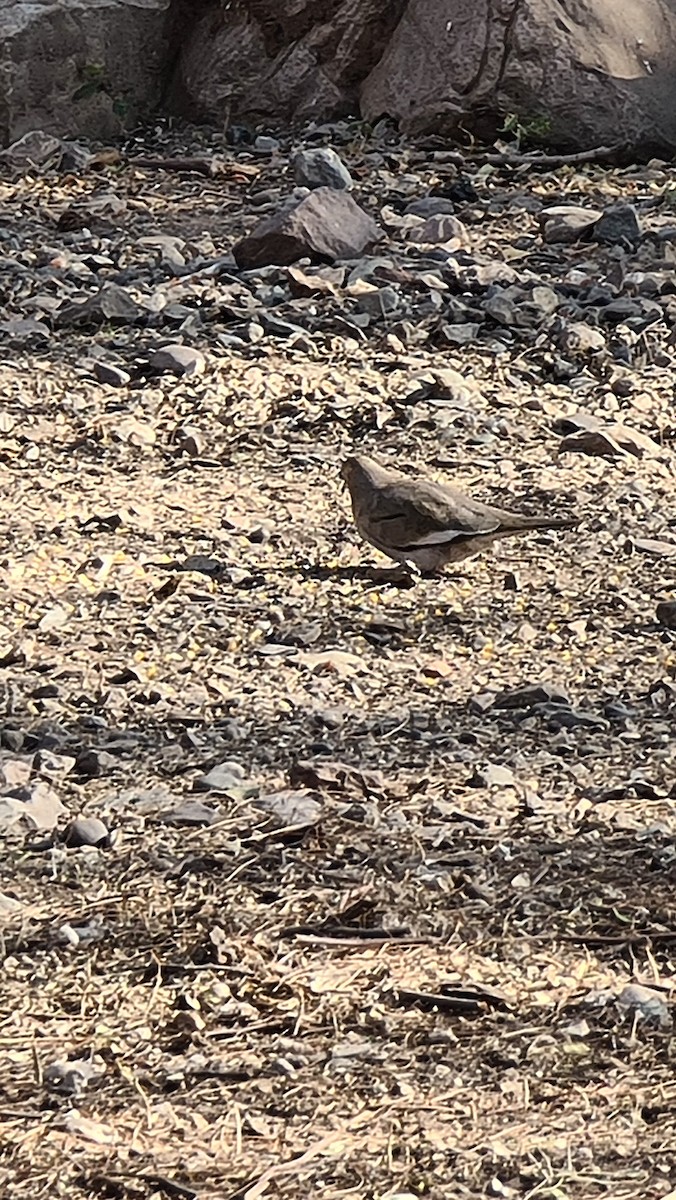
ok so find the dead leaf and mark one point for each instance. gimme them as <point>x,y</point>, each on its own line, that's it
<point>55,618</point>
<point>334,662</point>
<point>91,1131</point>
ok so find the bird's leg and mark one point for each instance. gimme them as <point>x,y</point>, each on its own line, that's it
<point>404,574</point>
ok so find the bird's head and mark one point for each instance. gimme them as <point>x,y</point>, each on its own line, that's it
<point>349,468</point>
<point>359,469</point>
<point>364,476</point>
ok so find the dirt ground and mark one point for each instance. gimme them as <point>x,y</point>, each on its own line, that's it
<point>415,938</point>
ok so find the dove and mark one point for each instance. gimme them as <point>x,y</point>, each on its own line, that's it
<point>427,524</point>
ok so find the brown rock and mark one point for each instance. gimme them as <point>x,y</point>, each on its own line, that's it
<point>656,547</point>
<point>327,224</point>
<point>596,442</point>
<point>600,73</point>
<point>111,374</point>
<point>618,226</point>
<point>593,73</point>
<point>86,831</point>
<point>634,441</point>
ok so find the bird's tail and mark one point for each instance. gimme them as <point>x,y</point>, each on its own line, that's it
<point>546,523</point>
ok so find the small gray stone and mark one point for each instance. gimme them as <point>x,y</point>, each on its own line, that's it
<point>646,1003</point>
<point>94,763</point>
<point>203,563</point>
<point>501,306</point>
<point>595,442</point>
<point>75,157</point>
<point>579,339</point>
<point>12,739</point>
<point>378,302</point>
<point>666,613</point>
<point>259,535</point>
<point>264,198</point>
<point>561,716</point>
<point>51,764</point>
<point>299,808</point>
<point>266,144</point>
<point>177,359</point>
<point>111,304</point>
<point>439,228</point>
<point>619,225</point>
<point>231,730</point>
<point>110,374</point>
<point>656,547</point>
<point>34,150</point>
<point>73,1076</point>
<point>531,694</point>
<point>224,777</point>
<point>86,831</point>
<point>191,812</point>
<point>189,441</point>
<point>615,710</point>
<point>321,168</point>
<point>566,222</point>
<point>575,422</point>
<point>460,334</point>
<point>429,206</point>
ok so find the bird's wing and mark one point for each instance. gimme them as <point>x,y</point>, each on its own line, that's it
<point>412,514</point>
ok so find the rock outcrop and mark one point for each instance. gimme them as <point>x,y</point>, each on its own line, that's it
<point>81,67</point>
<point>577,73</point>
<point>283,58</point>
<point>572,73</point>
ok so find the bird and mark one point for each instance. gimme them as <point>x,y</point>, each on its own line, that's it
<point>425,524</point>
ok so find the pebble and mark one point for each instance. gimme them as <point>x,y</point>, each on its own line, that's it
<point>619,225</point>
<point>221,778</point>
<point>177,359</point>
<point>428,206</point>
<point>666,613</point>
<point>266,144</point>
<point>86,831</point>
<point>321,168</point>
<point>94,763</point>
<point>111,374</point>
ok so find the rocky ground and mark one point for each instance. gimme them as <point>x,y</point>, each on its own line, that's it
<point>313,884</point>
